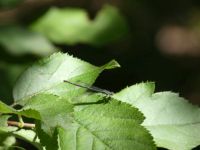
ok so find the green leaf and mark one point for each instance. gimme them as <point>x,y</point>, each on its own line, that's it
<point>28,136</point>
<point>30,113</point>
<point>88,98</point>
<point>6,139</point>
<point>107,124</point>
<point>18,41</point>
<point>84,120</point>
<point>172,121</point>
<point>49,142</point>
<point>4,128</point>
<point>7,134</point>
<point>72,26</point>
<point>3,120</point>
<point>5,131</point>
<point>52,109</point>
<point>5,108</point>
<point>54,112</point>
<point>136,92</point>
<point>112,125</point>
<point>48,76</point>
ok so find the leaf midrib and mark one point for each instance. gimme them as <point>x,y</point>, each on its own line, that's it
<point>108,146</point>
<point>53,85</point>
<point>184,124</point>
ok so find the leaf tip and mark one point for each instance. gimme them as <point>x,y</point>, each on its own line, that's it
<point>111,65</point>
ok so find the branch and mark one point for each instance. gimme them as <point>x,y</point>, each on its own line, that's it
<point>18,124</point>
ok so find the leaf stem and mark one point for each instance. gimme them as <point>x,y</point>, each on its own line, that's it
<point>21,122</point>
<point>18,124</point>
<point>13,104</point>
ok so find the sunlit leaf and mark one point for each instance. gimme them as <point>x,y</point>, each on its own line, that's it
<point>172,121</point>
<point>48,76</point>
<point>53,110</point>
<point>107,124</point>
<point>112,125</point>
<point>73,25</point>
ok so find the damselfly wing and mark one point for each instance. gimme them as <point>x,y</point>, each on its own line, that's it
<point>92,88</point>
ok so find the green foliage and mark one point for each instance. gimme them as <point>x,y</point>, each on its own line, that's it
<point>62,116</point>
<point>49,105</point>
<point>172,121</point>
<point>20,45</point>
<point>28,136</point>
<point>18,40</point>
<point>6,141</point>
<point>104,123</point>
<point>111,125</point>
<point>25,112</point>
<point>72,26</point>
<point>70,117</point>
<point>48,76</point>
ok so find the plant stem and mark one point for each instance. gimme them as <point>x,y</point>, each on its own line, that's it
<point>18,124</point>
<point>13,104</point>
<point>21,122</point>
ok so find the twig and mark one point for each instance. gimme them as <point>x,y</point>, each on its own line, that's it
<point>18,124</point>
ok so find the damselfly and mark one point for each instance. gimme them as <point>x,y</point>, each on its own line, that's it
<point>92,88</point>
